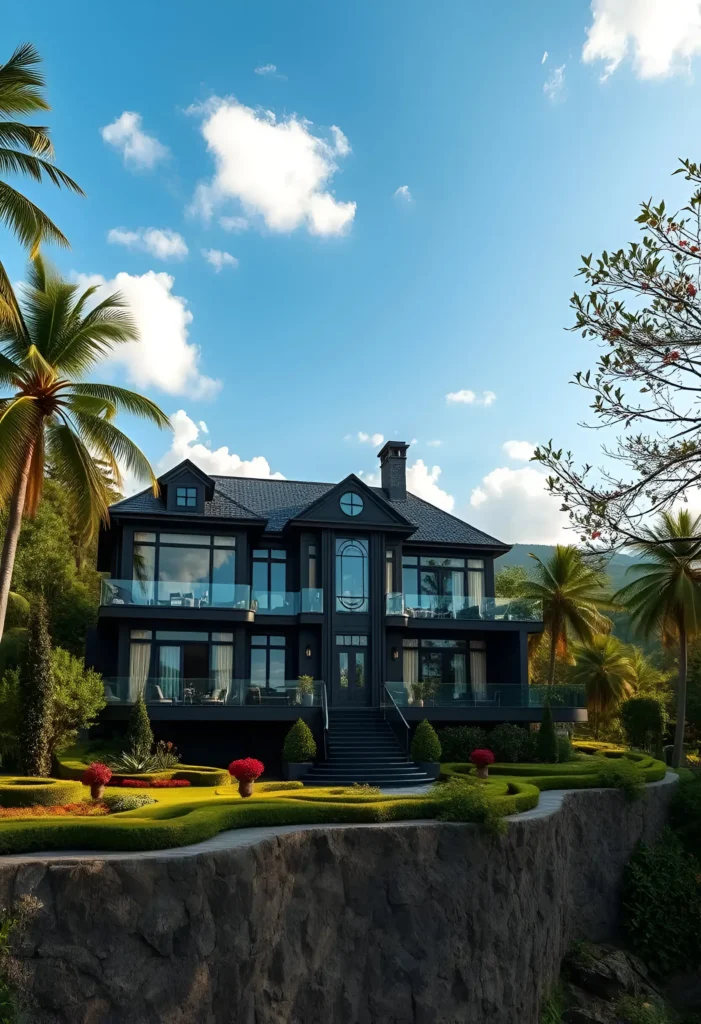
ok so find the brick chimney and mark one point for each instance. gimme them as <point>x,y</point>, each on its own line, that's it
<point>393,466</point>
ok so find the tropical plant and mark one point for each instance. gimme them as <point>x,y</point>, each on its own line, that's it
<point>139,732</point>
<point>166,755</point>
<point>36,696</point>
<point>54,415</point>
<point>299,745</point>
<point>643,719</point>
<point>510,580</point>
<point>605,669</point>
<point>665,599</point>
<point>133,764</point>
<point>571,592</point>
<point>25,149</point>
<point>425,745</point>
<point>546,739</point>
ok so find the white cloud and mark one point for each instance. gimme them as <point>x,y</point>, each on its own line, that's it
<point>276,170</point>
<point>220,462</point>
<point>163,243</point>
<point>404,194</point>
<point>544,57</point>
<point>266,69</point>
<point>519,451</point>
<point>203,427</point>
<point>164,357</point>
<point>434,444</point>
<point>219,259</point>
<point>373,439</point>
<point>554,85</point>
<point>513,505</point>
<point>236,224</point>
<point>467,397</point>
<point>663,35</point>
<point>137,148</point>
<point>423,482</point>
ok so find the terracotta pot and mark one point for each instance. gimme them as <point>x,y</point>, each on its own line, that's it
<point>246,787</point>
<point>483,771</point>
<point>97,791</point>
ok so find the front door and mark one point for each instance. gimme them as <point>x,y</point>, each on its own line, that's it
<point>351,682</point>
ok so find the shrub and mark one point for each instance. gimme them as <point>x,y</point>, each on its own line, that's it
<point>36,695</point>
<point>622,773</point>
<point>127,802</point>
<point>642,1010</point>
<point>133,763</point>
<point>83,809</point>
<point>79,696</point>
<point>466,801</point>
<point>508,743</point>
<point>166,755</point>
<point>299,744</point>
<point>139,733</point>
<point>685,812</point>
<point>482,758</point>
<point>565,750</point>
<point>27,791</point>
<point>136,783</point>
<point>662,904</point>
<point>546,742</point>
<point>247,769</point>
<point>425,745</point>
<point>97,774</point>
<point>458,742</point>
<point>644,720</point>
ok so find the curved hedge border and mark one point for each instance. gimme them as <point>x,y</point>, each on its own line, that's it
<point>570,775</point>
<point>26,791</point>
<point>195,774</point>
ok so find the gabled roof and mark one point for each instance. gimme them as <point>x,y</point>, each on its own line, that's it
<point>388,510</point>
<point>277,502</point>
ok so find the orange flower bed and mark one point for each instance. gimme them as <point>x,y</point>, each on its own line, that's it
<point>79,810</point>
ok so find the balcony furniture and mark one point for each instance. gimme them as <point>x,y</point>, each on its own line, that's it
<point>188,600</point>
<point>159,698</point>
<point>253,695</point>
<point>175,600</point>
<point>216,697</point>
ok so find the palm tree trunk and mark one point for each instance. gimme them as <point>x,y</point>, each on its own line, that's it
<point>551,663</point>
<point>678,751</point>
<point>14,525</point>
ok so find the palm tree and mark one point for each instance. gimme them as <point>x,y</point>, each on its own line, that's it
<point>54,416</point>
<point>571,593</point>
<point>605,668</point>
<point>25,149</point>
<point>666,599</point>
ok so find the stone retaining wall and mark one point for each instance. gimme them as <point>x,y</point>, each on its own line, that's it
<point>397,924</point>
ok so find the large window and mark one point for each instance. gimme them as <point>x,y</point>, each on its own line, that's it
<point>190,570</point>
<point>449,585</point>
<point>352,575</point>
<point>269,578</point>
<point>268,662</point>
<point>436,669</point>
<point>180,666</point>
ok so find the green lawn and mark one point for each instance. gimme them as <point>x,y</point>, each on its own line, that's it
<point>183,816</point>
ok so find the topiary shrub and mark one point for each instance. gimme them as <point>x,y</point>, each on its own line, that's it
<point>36,696</point>
<point>128,802</point>
<point>508,743</point>
<point>458,742</point>
<point>26,791</point>
<point>644,720</point>
<point>546,741</point>
<point>139,733</point>
<point>299,745</point>
<point>425,745</point>
<point>565,750</point>
<point>465,800</point>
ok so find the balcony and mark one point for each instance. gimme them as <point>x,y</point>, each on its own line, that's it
<point>487,609</point>
<point>160,594</point>
<point>211,693</point>
<point>436,694</point>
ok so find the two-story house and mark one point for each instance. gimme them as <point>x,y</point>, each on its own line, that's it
<point>220,593</point>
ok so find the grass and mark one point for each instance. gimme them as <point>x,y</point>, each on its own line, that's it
<point>179,817</point>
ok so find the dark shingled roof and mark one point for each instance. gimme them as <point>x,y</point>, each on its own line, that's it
<point>278,501</point>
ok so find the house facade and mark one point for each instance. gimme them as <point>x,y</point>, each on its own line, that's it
<point>220,593</point>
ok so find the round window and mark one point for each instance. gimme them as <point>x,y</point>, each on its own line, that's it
<point>351,504</point>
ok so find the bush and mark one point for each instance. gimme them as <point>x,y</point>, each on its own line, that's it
<point>128,802</point>
<point>97,774</point>
<point>166,755</point>
<point>425,745</point>
<point>622,773</point>
<point>546,742</point>
<point>134,764</point>
<point>482,758</point>
<point>154,784</point>
<point>246,769</point>
<point>644,720</point>
<point>36,696</point>
<point>458,742</point>
<point>29,790</point>
<point>565,750</point>
<point>139,733</point>
<point>299,744</point>
<point>642,1010</point>
<point>509,743</point>
<point>198,775</point>
<point>79,696</point>
<point>685,813</point>
<point>662,904</point>
<point>465,800</point>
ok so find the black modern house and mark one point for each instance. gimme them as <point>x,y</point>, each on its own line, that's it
<point>238,605</point>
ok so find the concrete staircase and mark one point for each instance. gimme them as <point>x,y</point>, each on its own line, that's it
<point>363,749</point>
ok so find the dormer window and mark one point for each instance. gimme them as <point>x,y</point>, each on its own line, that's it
<point>186,497</point>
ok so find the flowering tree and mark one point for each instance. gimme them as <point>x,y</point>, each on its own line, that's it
<point>643,306</point>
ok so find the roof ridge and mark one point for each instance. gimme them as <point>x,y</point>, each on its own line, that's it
<point>272,480</point>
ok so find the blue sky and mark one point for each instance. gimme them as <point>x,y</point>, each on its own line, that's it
<point>331,305</point>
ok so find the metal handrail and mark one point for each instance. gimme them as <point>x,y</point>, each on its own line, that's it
<point>402,719</point>
<point>325,719</point>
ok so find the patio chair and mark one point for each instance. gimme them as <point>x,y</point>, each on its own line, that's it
<point>216,696</point>
<point>159,698</point>
<point>188,599</point>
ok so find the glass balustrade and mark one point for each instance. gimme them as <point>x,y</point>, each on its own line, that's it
<point>489,609</point>
<point>179,594</point>
<point>212,692</point>
<point>508,695</point>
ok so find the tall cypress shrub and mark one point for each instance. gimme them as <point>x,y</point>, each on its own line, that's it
<point>36,695</point>
<point>139,733</point>
<point>546,744</point>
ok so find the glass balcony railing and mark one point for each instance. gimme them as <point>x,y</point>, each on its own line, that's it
<point>212,692</point>
<point>209,595</point>
<point>507,695</point>
<point>312,600</point>
<point>489,609</point>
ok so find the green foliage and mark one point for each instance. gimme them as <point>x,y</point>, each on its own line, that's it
<point>139,733</point>
<point>25,791</point>
<point>458,742</point>
<point>299,745</point>
<point>509,743</point>
<point>36,696</point>
<point>622,773</point>
<point>78,698</point>
<point>605,669</point>
<point>465,800</point>
<point>166,755</point>
<point>9,717</point>
<point>132,764</point>
<point>128,802</point>
<point>510,581</point>
<point>662,904</point>
<point>546,740</point>
<point>14,1000</point>
<point>72,767</point>
<point>643,720</point>
<point>685,812</point>
<point>565,750</point>
<point>642,1010</point>
<point>553,1007</point>
<point>425,745</point>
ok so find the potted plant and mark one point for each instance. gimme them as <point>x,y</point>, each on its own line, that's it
<point>97,775</point>
<point>417,694</point>
<point>299,750</point>
<point>246,771</point>
<point>482,759</point>
<point>426,749</point>
<point>305,691</point>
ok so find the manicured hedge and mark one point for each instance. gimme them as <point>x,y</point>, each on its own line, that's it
<point>570,775</point>
<point>25,791</point>
<point>196,775</point>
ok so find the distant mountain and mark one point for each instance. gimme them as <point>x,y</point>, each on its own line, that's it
<point>616,568</point>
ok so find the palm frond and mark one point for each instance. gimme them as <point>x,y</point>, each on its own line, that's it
<point>27,221</point>
<point>16,162</point>
<point>20,422</point>
<point>12,323</point>
<point>85,483</point>
<point>125,401</point>
<point>21,86</point>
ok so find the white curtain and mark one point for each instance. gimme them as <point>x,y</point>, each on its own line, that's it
<point>222,667</point>
<point>411,668</point>
<point>475,587</point>
<point>139,659</point>
<point>478,674</point>
<point>458,588</point>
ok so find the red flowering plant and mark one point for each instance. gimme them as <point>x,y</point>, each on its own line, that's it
<point>136,783</point>
<point>97,775</point>
<point>248,769</point>
<point>169,783</point>
<point>482,758</point>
